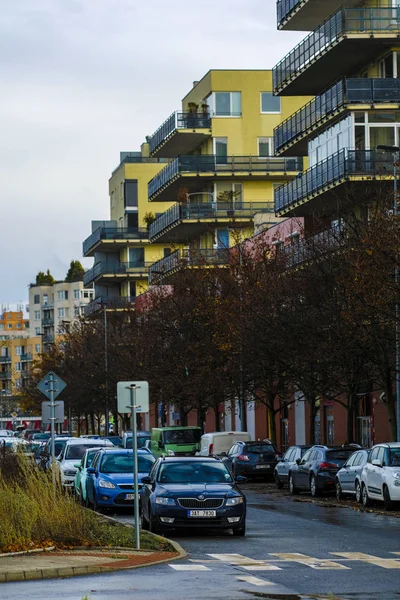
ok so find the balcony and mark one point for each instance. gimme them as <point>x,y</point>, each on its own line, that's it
<point>179,134</point>
<point>302,195</point>
<point>124,270</point>
<point>187,221</point>
<point>48,321</point>
<point>101,303</point>
<point>203,168</point>
<point>305,15</point>
<point>5,359</point>
<point>183,259</point>
<point>5,375</point>
<point>113,238</point>
<point>340,46</point>
<point>306,249</point>
<point>26,357</point>
<point>48,306</point>
<point>48,339</point>
<point>291,136</point>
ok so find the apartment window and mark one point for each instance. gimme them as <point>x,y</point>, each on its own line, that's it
<point>61,313</point>
<point>1,327</point>
<point>37,348</point>
<point>45,299</point>
<point>62,295</point>
<point>270,103</point>
<point>18,350</point>
<point>36,299</point>
<point>26,325</point>
<point>9,325</point>
<point>88,293</point>
<point>76,294</point>
<point>220,145</point>
<point>37,330</point>
<point>37,315</point>
<point>265,146</point>
<point>18,325</point>
<point>18,366</point>
<point>228,104</point>
<point>76,311</point>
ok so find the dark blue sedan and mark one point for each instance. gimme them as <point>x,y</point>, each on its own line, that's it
<point>109,481</point>
<point>189,492</point>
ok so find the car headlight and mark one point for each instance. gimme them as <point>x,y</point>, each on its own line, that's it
<point>69,473</point>
<point>107,484</point>
<point>171,453</point>
<point>165,501</point>
<point>396,474</point>
<point>234,501</point>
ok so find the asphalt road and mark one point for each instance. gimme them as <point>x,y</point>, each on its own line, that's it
<point>292,550</point>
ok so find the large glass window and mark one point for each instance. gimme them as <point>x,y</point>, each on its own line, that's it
<point>381,136</point>
<point>265,147</point>
<point>228,104</point>
<point>270,103</point>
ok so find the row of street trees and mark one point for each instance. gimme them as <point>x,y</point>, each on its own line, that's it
<point>317,316</point>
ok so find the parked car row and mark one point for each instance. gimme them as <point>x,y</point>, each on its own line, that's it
<point>365,474</point>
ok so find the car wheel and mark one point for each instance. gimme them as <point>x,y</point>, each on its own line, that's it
<point>292,488</point>
<point>313,487</point>
<point>153,528</point>
<point>338,488</point>
<point>386,498</point>
<point>365,498</point>
<point>358,492</point>
<point>240,532</point>
<point>80,497</point>
<point>278,482</point>
<point>144,524</point>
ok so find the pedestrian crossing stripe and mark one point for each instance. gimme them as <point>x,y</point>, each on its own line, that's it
<point>254,580</point>
<point>309,561</point>
<point>189,567</point>
<point>385,563</point>
<point>239,560</point>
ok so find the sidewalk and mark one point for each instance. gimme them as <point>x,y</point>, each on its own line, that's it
<point>52,563</point>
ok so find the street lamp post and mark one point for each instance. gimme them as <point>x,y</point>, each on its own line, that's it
<point>395,151</point>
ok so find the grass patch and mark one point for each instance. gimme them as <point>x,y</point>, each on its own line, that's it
<point>33,514</point>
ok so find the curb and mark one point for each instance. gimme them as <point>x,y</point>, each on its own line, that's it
<point>54,573</point>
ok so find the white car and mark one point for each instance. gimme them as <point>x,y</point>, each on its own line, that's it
<point>380,477</point>
<point>72,454</point>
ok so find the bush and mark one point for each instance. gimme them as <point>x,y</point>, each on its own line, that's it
<point>33,513</point>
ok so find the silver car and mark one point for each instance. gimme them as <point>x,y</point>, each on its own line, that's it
<point>348,479</point>
<point>282,469</point>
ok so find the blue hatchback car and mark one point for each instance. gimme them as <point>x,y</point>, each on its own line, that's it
<point>184,492</point>
<point>109,481</point>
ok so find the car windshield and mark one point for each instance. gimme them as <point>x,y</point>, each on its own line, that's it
<point>117,441</point>
<point>182,436</point>
<point>58,446</point>
<point>90,456</point>
<point>194,472</point>
<point>338,457</point>
<point>75,451</point>
<point>260,448</point>
<point>141,441</point>
<point>394,457</point>
<point>303,451</point>
<point>123,463</point>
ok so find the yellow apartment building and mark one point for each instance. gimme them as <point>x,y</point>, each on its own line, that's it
<point>200,178</point>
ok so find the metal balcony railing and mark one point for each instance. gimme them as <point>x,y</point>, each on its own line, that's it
<point>347,91</point>
<point>47,321</point>
<point>5,374</point>
<point>5,359</point>
<point>206,210</point>
<point>197,257</point>
<point>210,163</point>
<point>178,120</point>
<point>307,248</point>
<point>114,233</point>
<point>342,22</point>
<point>109,303</point>
<point>26,356</point>
<point>333,169</point>
<point>284,8</point>
<point>104,268</point>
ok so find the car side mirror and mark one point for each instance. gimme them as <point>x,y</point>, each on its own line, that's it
<point>90,470</point>
<point>376,462</point>
<point>222,454</point>
<point>146,480</point>
<point>77,465</point>
<point>298,461</point>
<point>240,479</point>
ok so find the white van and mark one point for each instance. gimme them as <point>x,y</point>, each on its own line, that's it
<point>220,442</point>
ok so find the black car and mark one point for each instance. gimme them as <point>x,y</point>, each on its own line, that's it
<point>284,466</point>
<point>45,453</point>
<point>252,459</point>
<point>316,471</point>
<point>184,492</point>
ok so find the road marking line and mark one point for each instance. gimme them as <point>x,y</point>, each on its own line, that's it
<point>309,561</point>
<point>254,580</point>
<point>237,559</point>
<point>385,563</point>
<point>265,567</point>
<point>189,567</point>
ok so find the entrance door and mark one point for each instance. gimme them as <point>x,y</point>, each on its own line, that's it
<point>221,150</point>
<point>222,238</point>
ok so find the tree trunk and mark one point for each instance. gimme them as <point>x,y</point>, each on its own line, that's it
<point>86,423</point>
<point>272,421</point>
<point>313,412</point>
<point>183,418</point>
<point>78,425</point>
<point>116,424</point>
<point>243,414</point>
<point>99,426</point>
<point>139,421</point>
<point>92,423</point>
<point>390,404</point>
<point>350,421</point>
<point>201,418</point>
<point>216,415</point>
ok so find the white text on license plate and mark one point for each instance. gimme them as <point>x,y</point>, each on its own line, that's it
<point>202,513</point>
<point>129,496</point>
<point>263,466</point>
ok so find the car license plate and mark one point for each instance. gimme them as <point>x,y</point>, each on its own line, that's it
<point>202,513</point>
<point>263,466</point>
<point>129,496</point>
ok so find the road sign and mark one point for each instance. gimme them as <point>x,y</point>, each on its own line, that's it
<point>124,396</point>
<point>51,380</point>
<point>58,412</point>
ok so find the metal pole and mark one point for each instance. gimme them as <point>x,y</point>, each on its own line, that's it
<point>135,466</point>
<point>396,156</point>
<point>52,431</point>
<point>107,424</point>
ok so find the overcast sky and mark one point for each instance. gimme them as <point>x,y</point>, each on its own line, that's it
<point>82,80</point>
